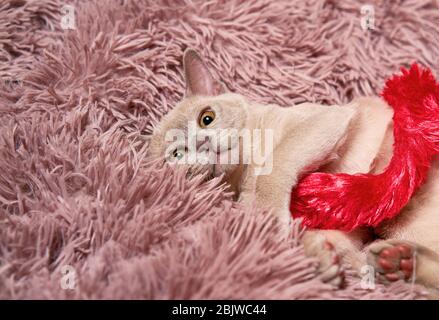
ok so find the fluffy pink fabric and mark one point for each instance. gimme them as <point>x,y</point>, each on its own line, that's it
<point>75,187</point>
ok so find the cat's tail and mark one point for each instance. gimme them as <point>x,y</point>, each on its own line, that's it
<point>343,201</point>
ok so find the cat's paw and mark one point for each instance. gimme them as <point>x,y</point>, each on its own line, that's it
<point>330,269</point>
<point>392,260</point>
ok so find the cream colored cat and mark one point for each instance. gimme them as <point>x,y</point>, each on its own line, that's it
<point>353,138</point>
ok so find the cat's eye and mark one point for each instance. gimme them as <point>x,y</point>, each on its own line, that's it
<point>206,118</point>
<point>178,154</point>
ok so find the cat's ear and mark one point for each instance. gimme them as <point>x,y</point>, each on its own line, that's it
<point>199,81</point>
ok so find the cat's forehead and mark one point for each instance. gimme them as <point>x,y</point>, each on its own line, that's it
<point>183,112</point>
<point>192,104</point>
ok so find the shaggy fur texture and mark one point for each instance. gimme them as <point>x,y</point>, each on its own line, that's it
<point>77,106</point>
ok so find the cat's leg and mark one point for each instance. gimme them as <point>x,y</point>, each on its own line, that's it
<point>308,143</point>
<point>335,250</point>
<point>395,260</point>
<point>368,145</point>
<point>315,243</point>
<point>304,147</point>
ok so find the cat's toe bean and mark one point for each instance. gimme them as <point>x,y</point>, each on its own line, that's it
<point>392,261</point>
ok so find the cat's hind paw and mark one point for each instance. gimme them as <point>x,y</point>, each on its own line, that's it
<point>391,260</point>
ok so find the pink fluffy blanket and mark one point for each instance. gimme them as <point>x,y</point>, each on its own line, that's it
<point>83,213</point>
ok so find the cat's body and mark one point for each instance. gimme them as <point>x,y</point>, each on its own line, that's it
<point>352,138</point>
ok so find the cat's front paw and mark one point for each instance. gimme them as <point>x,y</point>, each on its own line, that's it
<point>330,269</point>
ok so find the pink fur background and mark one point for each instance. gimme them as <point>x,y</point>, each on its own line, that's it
<point>76,108</point>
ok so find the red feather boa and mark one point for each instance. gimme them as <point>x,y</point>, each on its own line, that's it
<point>345,202</point>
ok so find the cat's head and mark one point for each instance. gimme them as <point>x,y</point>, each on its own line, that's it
<point>202,131</point>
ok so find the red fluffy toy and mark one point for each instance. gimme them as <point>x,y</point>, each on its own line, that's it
<point>345,202</point>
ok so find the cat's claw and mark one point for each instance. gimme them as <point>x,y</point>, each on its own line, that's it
<point>330,269</point>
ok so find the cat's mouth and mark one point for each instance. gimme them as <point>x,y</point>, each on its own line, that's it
<point>217,164</point>
<point>216,167</point>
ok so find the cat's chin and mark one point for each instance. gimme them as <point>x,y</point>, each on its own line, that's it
<point>216,170</point>
<point>220,169</point>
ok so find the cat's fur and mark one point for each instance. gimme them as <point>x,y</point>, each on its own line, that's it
<point>353,138</point>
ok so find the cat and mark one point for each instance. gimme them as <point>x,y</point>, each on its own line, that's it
<point>273,146</point>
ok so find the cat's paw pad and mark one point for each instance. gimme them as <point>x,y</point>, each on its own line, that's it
<point>392,261</point>
<point>330,269</point>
